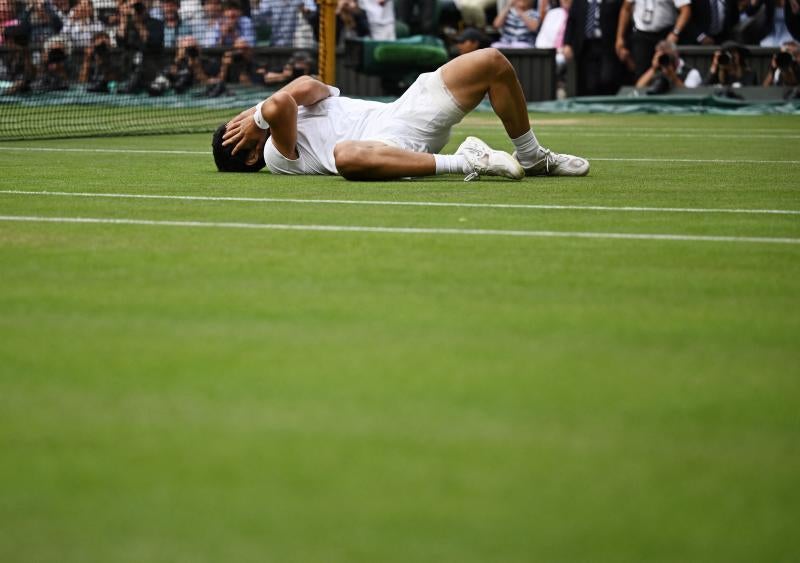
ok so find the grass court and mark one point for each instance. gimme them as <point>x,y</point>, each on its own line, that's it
<point>224,367</point>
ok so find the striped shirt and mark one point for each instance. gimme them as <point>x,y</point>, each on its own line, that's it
<point>514,29</point>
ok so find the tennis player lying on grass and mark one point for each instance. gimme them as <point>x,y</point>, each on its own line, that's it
<point>306,128</point>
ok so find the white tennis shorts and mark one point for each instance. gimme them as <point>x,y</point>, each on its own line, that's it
<point>421,119</point>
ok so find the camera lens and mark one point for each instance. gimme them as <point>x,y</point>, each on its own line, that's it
<point>192,52</point>
<point>238,57</point>
<point>56,56</point>
<point>783,60</point>
<point>664,59</point>
<point>138,7</point>
<point>725,58</point>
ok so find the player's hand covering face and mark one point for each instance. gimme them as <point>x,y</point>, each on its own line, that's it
<point>242,131</point>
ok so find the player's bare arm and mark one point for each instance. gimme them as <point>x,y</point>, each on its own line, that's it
<point>280,112</point>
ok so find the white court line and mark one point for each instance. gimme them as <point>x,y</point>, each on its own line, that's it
<point>114,151</point>
<point>744,131</point>
<point>407,203</point>
<point>651,133</point>
<point>208,153</point>
<point>398,230</point>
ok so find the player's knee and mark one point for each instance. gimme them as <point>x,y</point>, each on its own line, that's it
<point>496,61</point>
<point>351,160</point>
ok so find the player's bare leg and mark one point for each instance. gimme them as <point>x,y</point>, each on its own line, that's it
<point>373,160</point>
<point>472,76</point>
<point>487,71</point>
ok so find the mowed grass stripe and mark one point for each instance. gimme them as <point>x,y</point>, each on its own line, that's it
<point>208,153</point>
<point>401,230</point>
<point>627,209</point>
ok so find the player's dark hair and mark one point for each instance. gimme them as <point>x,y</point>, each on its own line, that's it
<point>227,162</point>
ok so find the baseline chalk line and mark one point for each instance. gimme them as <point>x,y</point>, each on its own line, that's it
<point>398,230</point>
<point>395,203</point>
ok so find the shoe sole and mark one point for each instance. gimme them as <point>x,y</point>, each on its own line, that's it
<point>529,171</point>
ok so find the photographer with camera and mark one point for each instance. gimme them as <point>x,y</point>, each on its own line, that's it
<point>300,64</point>
<point>784,68</point>
<point>729,67</point>
<point>238,67</point>
<point>97,69</point>
<point>16,67</point>
<point>52,72</point>
<point>668,71</point>
<point>142,37</point>
<point>185,71</point>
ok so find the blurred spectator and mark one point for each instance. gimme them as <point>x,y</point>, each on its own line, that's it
<point>62,8</point>
<point>41,21</point>
<point>300,64</point>
<point>777,32</point>
<point>589,41</point>
<point>470,40</point>
<point>142,37</point>
<point>551,36</point>
<point>206,27</point>
<point>792,16</point>
<point>81,25</point>
<point>713,21</point>
<point>52,74</point>
<point>174,27</point>
<point>8,17</point>
<point>668,71</point>
<point>653,20</point>
<point>473,12</point>
<point>518,23</point>
<point>419,15</point>
<point>281,16</point>
<point>729,67</point>
<point>235,26</point>
<point>97,70</point>
<point>785,66</point>
<point>351,21</point>
<point>185,72</point>
<point>380,15</point>
<point>238,67</point>
<point>190,11</point>
<point>17,65</point>
<point>304,35</point>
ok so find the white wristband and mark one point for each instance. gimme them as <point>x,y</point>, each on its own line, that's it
<point>258,118</point>
<point>334,91</point>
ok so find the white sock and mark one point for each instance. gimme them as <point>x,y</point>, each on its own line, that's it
<point>451,164</point>
<point>527,148</point>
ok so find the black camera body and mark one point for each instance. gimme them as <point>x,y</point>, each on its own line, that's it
<point>725,58</point>
<point>664,59</point>
<point>784,60</point>
<point>56,56</point>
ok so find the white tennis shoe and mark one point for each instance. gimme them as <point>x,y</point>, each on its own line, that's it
<point>554,164</point>
<point>486,161</point>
